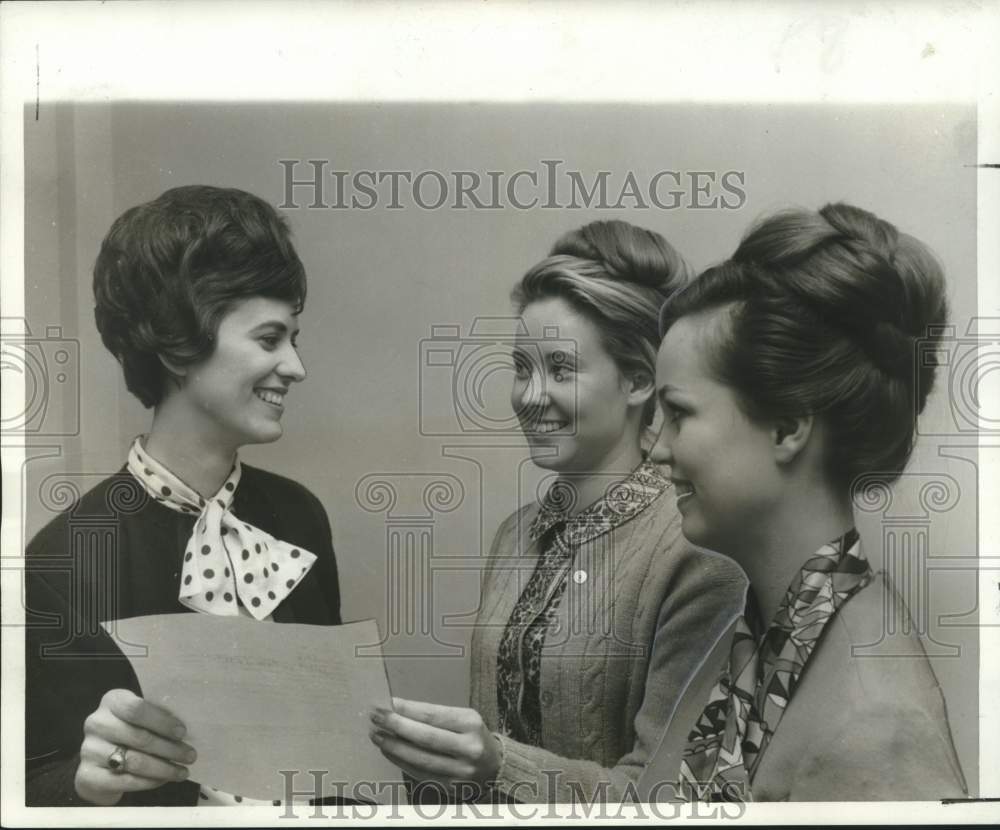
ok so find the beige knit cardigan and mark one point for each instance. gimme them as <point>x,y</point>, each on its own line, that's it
<point>642,610</point>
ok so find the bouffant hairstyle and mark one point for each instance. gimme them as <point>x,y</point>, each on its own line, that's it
<point>618,276</point>
<point>823,314</point>
<point>169,270</point>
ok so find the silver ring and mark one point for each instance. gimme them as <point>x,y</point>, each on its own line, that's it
<point>116,760</point>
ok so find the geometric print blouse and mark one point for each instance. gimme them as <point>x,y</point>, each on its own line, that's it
<point>745,707</point>
<point>559,537</point>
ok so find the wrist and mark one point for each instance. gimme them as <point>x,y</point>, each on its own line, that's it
<point>497,757</point>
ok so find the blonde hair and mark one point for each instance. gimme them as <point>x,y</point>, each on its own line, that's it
<point>618,276</point>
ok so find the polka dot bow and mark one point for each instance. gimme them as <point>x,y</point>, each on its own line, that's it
<point>225,558</point>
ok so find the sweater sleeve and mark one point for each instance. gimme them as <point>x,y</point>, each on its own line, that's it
<point>52,785</point>
<point>53,729</point>
<point>68,668</point>
<point>699,605</point>
<point>70,663</point>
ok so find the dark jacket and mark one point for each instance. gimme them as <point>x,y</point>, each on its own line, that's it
<point>117,553</point>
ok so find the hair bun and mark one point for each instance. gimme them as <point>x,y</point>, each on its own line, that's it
<point>890,349</point>
<point>863,228</point>
<point>902,283</point>
<point>824,312</point>
<point>628,253</point>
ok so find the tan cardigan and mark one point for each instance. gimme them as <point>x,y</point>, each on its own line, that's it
<point>861,726</point>
<point>641,611</point>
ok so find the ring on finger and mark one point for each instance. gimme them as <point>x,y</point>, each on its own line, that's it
<point>117,759</point>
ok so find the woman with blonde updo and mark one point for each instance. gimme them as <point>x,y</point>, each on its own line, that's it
<point>595,613</point>
<point>787,377</point>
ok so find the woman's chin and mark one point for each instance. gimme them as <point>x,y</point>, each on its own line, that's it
<point>263,434</point>
<point>547,455</point>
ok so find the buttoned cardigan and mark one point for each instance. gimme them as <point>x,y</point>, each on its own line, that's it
<point>642,610</point>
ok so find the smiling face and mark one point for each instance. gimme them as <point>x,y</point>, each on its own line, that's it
<point>722,463</point>
<point>575,407</point>
<point>236,395</point>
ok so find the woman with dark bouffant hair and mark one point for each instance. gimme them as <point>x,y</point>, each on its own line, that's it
<point>197,295</point>
<point>594,612</point>
<point>787,376</point>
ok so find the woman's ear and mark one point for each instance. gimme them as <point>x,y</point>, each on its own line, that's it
<point>790,436</point>
<point>175,371</point>
<point>640,386</point>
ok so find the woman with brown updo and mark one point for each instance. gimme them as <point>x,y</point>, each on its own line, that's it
<point>595,613</point>
<point>787,377</point>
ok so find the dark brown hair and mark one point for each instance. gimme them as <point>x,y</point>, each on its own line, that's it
<point>169,269</point>
<point>823,313</point>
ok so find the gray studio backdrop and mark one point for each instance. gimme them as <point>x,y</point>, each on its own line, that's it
<point>402,427</point>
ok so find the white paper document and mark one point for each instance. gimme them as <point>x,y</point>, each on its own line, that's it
<point>258,699</point>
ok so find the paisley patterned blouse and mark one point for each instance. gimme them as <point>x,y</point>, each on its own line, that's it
<point>559,536</point>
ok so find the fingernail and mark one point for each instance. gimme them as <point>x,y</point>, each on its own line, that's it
<point>376,737</point>
<point>179,731</point>
<point>377,717</point>
<point>182,773</point>
<point>190,757</point>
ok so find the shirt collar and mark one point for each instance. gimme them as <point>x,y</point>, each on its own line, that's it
<point>622,501</point>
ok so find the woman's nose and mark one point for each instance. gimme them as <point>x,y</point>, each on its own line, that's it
<point>292,366</point>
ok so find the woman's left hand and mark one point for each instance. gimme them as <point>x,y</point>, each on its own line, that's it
<point>430,742</point>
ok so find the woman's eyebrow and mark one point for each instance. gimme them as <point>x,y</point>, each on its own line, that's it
<point>280,325</point>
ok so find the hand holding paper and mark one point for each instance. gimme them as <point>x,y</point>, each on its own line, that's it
<point>430,742</point>
<point>149,737</point>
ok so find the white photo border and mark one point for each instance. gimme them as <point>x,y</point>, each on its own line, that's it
<point>891,52</point>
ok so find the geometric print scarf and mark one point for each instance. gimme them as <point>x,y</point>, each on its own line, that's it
<point>728,741</point>
<point>225,558</point>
